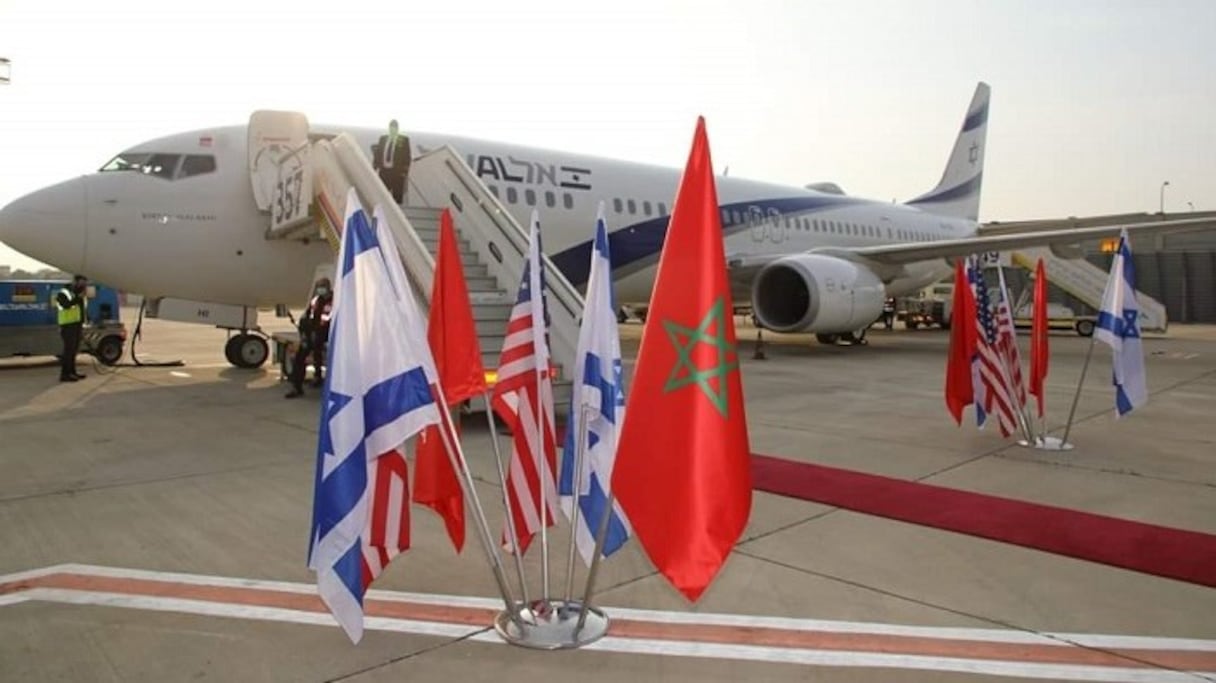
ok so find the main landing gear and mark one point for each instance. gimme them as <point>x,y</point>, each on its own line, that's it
<point>247,350</point>
<point>857,338</point>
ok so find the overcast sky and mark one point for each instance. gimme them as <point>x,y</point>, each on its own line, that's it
<point>1094,102</point>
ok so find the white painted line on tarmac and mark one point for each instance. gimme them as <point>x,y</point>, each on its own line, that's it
<point>720,636</point>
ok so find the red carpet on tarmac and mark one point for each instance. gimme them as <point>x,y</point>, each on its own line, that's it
<point>1162,551</point>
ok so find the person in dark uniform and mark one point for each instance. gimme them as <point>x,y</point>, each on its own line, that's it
<point>314,335</point>
<point>888,313</point>
<point>391,158</point>
<point>71,306</point>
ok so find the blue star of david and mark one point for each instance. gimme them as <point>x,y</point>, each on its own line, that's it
<point>1129,324</point>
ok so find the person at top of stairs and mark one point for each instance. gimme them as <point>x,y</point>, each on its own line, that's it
<point>391,157</point>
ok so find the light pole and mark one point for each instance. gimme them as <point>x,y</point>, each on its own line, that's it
<point>1161,208</point>
<point>1192,206</point>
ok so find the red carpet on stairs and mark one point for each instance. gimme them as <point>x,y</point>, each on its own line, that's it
<point>1148,548</point>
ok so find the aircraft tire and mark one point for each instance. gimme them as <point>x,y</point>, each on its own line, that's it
<point>828,339</point>
<point>231,349</point>
<point>247,351</point>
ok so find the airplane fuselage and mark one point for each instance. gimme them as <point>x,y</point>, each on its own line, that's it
<point>199,235</point>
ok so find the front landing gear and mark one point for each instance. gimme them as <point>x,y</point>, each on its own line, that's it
<point>246,350</point>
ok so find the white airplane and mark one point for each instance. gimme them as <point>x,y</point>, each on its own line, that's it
<point>175,217</point>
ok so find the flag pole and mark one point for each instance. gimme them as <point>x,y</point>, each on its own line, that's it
<point>577,486</point>
<point>460,464</point>
<point>554,628</point>
<point>1077,396</point>
<point>593,572</point>
<point>1007,378</point>
<point>536,286</point>
<point>1093,339</point>
<point>1018,391</point>
<point>506,501</point>
<point>545,475</point>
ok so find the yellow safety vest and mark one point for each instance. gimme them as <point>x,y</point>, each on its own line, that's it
<point>71,314</point>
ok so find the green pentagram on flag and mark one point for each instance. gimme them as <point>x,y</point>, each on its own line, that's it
<point>686,372</point>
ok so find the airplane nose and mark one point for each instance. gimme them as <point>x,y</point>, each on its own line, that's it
<point>48,225</point>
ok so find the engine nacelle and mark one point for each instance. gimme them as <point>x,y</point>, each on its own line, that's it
<point>816,293</point>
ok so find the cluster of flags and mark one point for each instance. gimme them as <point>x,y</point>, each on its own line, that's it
<point>676,474</point>
<point>984,367</point>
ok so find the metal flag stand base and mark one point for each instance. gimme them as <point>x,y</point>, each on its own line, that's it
<point>552,625</point>
<point>1047,443</point>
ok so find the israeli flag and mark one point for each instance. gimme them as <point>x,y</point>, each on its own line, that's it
<point>597,408</point>
<point>377,395</point>
<point>414,323</point>
<point>1119,328</point>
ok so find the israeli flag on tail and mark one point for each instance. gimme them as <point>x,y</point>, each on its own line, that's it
<point>597,407</point>
<point>377,395</point>
<point>1119,328</point>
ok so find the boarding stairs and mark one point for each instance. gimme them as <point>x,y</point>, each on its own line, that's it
<point>1086,282</point>
<point>493,247</point>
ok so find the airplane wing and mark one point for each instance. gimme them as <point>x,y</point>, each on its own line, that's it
<point>1038,225</point>
<point>909,252</point>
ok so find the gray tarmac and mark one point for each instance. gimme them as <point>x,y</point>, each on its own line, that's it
<point>206,469</point>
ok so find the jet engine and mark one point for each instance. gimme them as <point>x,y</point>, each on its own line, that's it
<point>816,293</point>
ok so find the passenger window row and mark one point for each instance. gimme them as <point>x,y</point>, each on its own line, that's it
<point>841,228</point>
<point>530,197</point>
<point>633,207</point>
<point>729,216</point>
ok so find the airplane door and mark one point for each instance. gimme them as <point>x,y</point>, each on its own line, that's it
<point>755,218</point>
<point>776,231</point>
<point>279,168</point>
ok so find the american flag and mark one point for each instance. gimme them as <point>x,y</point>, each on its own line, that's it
<point>1007,343</point>
<point>995,389</point>
<point>522,392</point>
<point>388,523</point>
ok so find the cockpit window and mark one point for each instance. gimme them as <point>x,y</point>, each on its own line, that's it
<point>161,165</point>
<point>148,163</point>
<point>127,161</point>
<point>197,164</point>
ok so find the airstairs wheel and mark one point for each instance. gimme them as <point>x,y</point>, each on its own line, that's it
<point>109,350</point>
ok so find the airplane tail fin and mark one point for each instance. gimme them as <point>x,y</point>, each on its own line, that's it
<point>958,193</point>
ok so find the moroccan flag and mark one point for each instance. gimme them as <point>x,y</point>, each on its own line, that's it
<point>453,341</point>
<point>960,389</point>
<point>1038,337</point>
<point>682,473</point>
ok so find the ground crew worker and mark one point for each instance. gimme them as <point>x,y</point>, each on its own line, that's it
<point>888,313</point>
<point>391,157</point>
<point>71,305</point>
<point>314,334</point>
